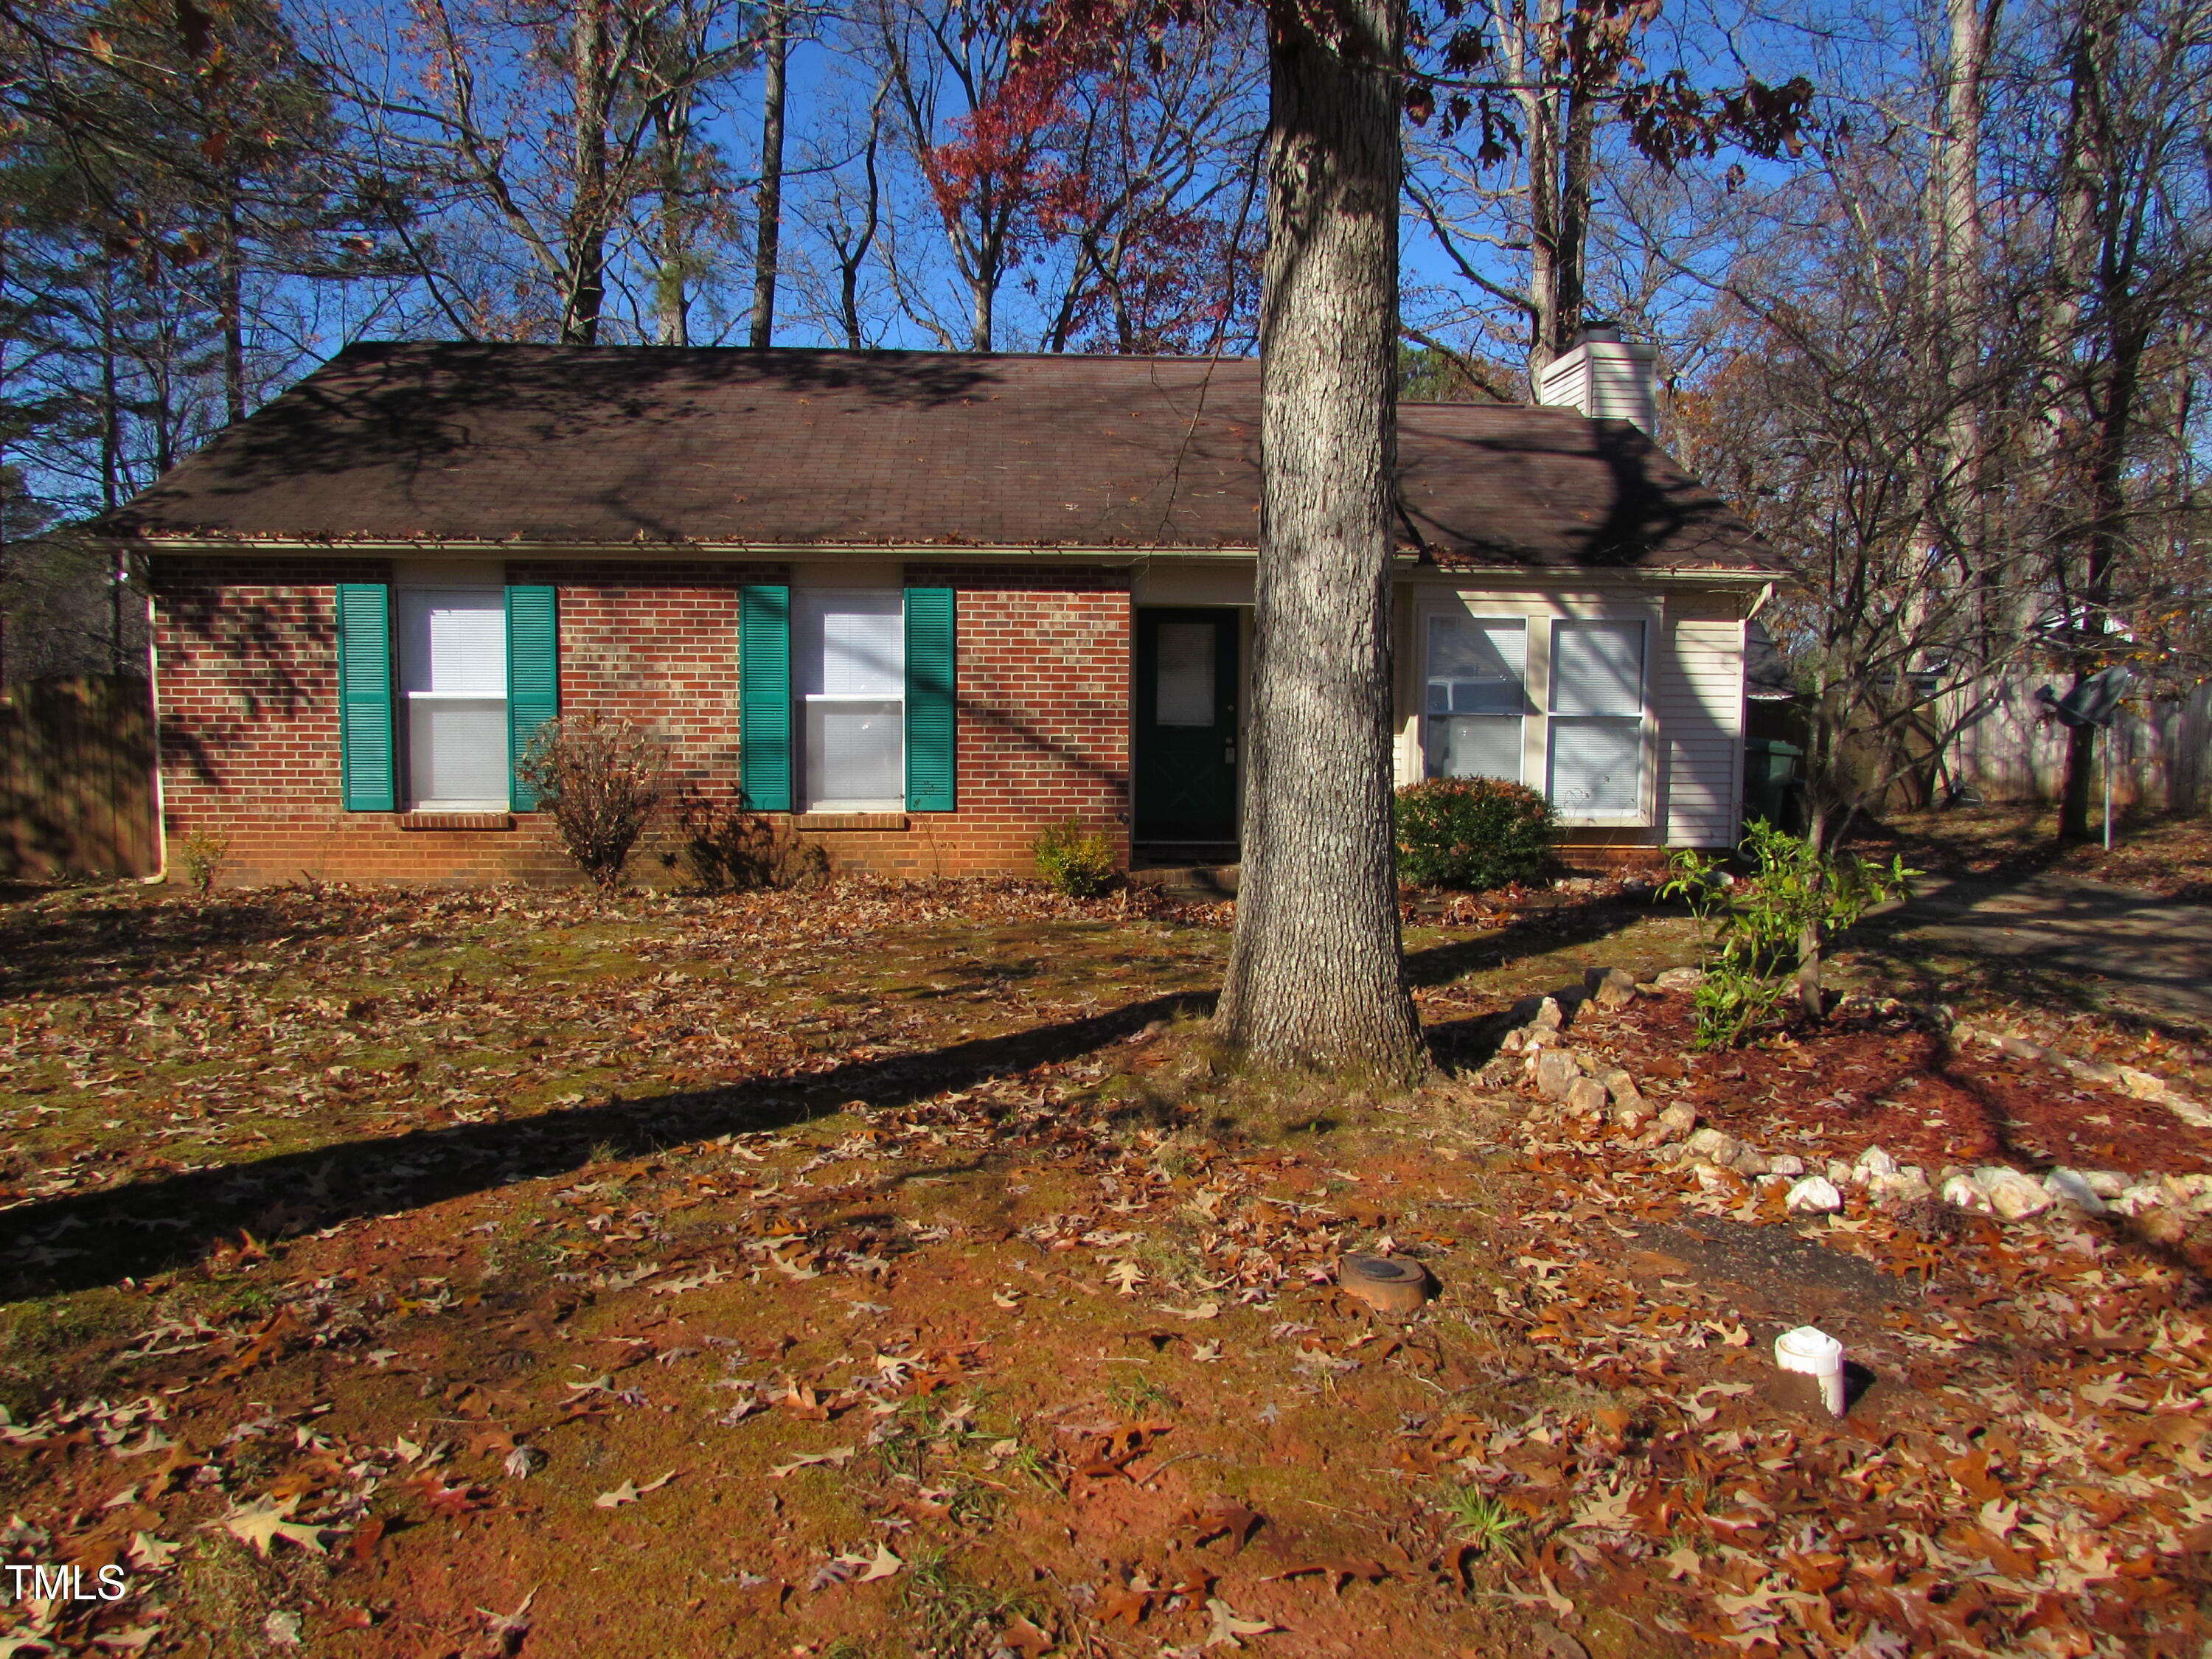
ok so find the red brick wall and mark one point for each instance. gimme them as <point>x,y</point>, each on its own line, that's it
<point>1043,690</point>
<point>247,683</point>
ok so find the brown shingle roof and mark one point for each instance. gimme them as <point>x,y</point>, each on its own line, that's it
<point>545,444</point>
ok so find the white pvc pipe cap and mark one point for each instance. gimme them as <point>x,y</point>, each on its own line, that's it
<point>1814,1353</point>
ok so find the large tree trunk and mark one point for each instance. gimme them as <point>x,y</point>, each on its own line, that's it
<point>587,275</point>
<point>767,246</point>
<point>1315,972</point>
<point>1540,115</point>
<point>2096,246</point>
<point>230,276</point>
<point>672,289</point>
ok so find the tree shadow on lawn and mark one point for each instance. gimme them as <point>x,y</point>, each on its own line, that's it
<point>75,1242</point>
<point>148,1226</point>
<point>85,953</point>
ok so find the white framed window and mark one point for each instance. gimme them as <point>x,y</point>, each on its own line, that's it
<point>1596,736</point>
<point>453,676</point>
<point>1475,697</point>
<point>848,679</point>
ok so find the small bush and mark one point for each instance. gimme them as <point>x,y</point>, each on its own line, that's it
<point>202,855</point>
<point>1474,833</point>
<point>727,850</point>
<point>1073,860</point>
<point>602,780</point>
<point>1798,898</point>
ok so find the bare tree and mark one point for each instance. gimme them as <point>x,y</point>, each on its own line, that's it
<point>775,53</point>
<point>555,119</point>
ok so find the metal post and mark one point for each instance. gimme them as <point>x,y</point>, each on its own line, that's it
<point>2108,787</point>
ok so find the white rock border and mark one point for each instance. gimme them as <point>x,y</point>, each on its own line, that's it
<point>1570,1081</point>
<point>2136,1085</point>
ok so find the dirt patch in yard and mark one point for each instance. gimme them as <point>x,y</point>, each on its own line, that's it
<point>1887,1079</point>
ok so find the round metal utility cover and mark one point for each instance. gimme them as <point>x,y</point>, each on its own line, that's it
<point>1384,1282</point>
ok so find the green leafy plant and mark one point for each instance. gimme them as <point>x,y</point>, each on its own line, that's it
<point>727,850</point>
<point>601,780</point>
<point>1754,932</point>
<point>1478,1519</point>
<point>202,854</point>
<point>1474,833</point>
<point>1074,860</point>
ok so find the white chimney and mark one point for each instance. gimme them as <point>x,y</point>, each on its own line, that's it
<point>1602,375</point>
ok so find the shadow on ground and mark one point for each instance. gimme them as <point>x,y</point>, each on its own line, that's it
<point>2089,944</point>
<point>82,1240</point>
<point>75,1242</point>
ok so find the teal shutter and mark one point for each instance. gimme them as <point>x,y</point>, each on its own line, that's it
<point>533,679</point>
<point>764,698</point>
<point>365,760</point>
<point>931,736</point>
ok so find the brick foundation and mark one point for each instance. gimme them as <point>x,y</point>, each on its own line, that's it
<point>247,686</point>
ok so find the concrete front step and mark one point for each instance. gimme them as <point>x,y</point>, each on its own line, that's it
<point>1198,883</point>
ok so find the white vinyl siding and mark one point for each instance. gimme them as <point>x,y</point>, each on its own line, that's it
<point>848,675</point>
<point>1699,691</point>
<point>453,676</point>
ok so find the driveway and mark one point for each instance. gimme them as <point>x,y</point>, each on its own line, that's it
<point>2136,949</point>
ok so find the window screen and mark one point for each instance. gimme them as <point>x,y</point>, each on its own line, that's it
<point>848,673</point>
<point>453,672</point>
<point>1474,701</point>
<point>1597,719</point>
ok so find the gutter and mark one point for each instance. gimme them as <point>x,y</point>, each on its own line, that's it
<point>1404,561</point>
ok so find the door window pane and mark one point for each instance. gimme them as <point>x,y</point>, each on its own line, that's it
<point>452,673</point>
<point>1472,712</point>
<point>848,671</point>
<point>1184,691</point>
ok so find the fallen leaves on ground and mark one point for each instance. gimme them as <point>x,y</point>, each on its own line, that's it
<point>1025,1341</point>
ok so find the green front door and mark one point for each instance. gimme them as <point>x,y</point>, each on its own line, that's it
<point>1187,726</point>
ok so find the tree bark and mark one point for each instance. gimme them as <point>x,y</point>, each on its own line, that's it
<point>587,274</point>
<point>230,274</point>
<point>672,289</point>
<point>1539,109</point>
<point>1316,973</point>
<point>2098,247</point>
<point>852,258</point>
<point>769,235</point>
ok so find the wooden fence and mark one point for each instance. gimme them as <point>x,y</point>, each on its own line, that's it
<point>77,779</point>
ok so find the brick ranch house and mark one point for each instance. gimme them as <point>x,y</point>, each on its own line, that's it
<point>918,605</point>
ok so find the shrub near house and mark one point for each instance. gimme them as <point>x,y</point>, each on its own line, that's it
<point>1474,833</point>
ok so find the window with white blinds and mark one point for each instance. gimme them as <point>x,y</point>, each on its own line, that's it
<point>1476,699</point>
<point>1596,739</point>
<point>453,674</point>
<point>848,676</point>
